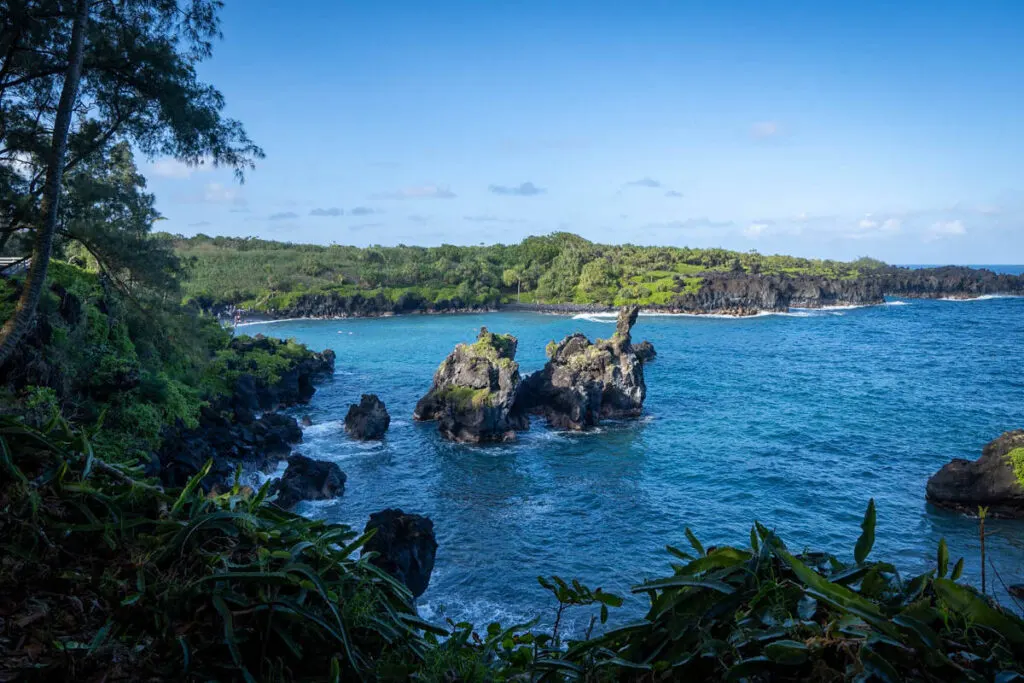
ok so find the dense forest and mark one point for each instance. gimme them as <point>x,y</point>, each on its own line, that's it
<point>130,548</point>
<point>559,268</point>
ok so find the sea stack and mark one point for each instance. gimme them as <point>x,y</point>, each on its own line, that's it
<point>474,391</point>
<point>995,480</point>
<point>585,382</point>
<point>367,419</point>
<point>405,547</point>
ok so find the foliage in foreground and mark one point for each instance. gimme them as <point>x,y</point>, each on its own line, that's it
<point>104,575</point>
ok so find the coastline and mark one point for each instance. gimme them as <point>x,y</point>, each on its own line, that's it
<point>260,318</point>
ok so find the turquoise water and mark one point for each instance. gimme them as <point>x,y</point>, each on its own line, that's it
<point>794,420</point>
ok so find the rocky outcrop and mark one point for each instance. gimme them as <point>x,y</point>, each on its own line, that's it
<point>474,391</point>
<point>293,385</point>
<point>367,419</point>
<point>990,480</point>
<point>308,479</point>
<point>220,438</point>
<point>954,282</point>
<point>228,432</point>
<point>644,351</point>
<point>335,305</point>
<point>405,547</point>
<point>584,382</point>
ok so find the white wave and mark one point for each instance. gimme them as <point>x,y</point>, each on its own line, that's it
<point>324,427</point>
<point>596,317</point>
<point>896,303</point>
<point>478,612</point>
<point>983,297</point>
<point>269,322</point>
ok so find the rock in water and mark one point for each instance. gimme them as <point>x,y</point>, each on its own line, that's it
<point>474,391</point>
<point>368,419</point>
<point>584,382</point>
<point>992,480</point>
<point>308,479</point>
<point>406,547</point>
<point>644,351</point>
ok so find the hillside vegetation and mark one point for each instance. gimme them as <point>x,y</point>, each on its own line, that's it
<point>560,268</point>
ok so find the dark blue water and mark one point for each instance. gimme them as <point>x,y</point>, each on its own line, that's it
<point>794,420</point>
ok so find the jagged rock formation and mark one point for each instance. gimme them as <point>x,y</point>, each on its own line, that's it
<point>405,547</point>
<point>228,431</point>
<point>584,382</point>
<point>258,444</point>
<point>474,392</point>
<point>295,384</point>
<point>644,351</point>
<point>955,282</point>
<point>367,419</point>
<point>308,479</point>
<point>991,480</point>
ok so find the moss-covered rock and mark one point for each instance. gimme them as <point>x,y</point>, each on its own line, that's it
<point>995,480</point>
<point>584,382</point>
<point>474,390</point>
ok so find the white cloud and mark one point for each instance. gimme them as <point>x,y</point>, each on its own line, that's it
<point>172,168</point>
<point>217,193</point>
<point>941,229</point>
<point>755,230</point>
<point>765,129</point>
<point>892,225</point>
<point>419,192</point>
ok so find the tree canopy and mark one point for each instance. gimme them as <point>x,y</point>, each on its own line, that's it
<point>82,84</point>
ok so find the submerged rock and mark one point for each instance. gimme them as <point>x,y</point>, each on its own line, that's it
<point>644,351</point>
<point>991,480</point>
<point>367,419</point>
<point>308,479</point>
<point>474,391</point>
<point>405,547</point>
<point>584,382</point>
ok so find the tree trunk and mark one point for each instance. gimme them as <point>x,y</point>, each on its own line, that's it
<point>24,313</point>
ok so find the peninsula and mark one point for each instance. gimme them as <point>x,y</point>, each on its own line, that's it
<point>561,272</point>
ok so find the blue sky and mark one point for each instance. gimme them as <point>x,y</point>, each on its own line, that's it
<point>834,129</point>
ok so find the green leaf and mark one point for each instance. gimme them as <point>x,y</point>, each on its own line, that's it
<point>958,569</point>
<point>879,666</point>
<point>943,558</point>
<point>964,600</point>
<point>694,542</point>
<point>788,652</point>
<point>229,633</point>
<point>836,595</point>
<point>191,486</point>
<point>753,539</point>
<point>926,635</point>
<point>867,536</point>
<point>747,668</point>
<point>682,582</point>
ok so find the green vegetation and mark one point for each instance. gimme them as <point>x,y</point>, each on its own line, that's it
<point>464,398</point>
<point>184,586</point>
<point>559,268</point>
<point>1016,458</point>
<point>493,346</point>
<point>128,367</point>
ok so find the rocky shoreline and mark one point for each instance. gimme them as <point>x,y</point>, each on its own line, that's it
<point>728,294</point>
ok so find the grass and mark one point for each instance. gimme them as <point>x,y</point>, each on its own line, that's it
<point>465,398</point>
<point>1016,458</point>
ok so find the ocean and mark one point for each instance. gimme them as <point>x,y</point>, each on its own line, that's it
<point>795,420</point>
